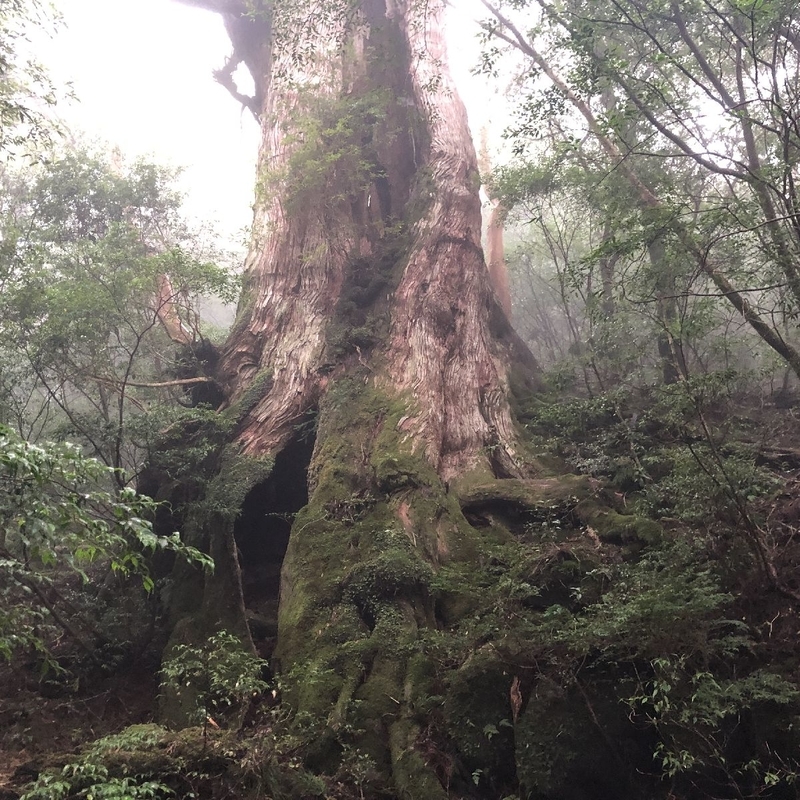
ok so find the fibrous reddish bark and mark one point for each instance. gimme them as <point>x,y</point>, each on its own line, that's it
<point>367,304</point>
<point>441,349</point>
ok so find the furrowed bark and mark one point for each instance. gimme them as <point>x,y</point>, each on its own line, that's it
<point>367,309</point>
<point>441,348</point>
<point>441,344</point>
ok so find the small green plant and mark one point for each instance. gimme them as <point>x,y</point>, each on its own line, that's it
<point>220,677</point>
<point>694,712</point>
<point>333,150</point>
<point>704,483</point>
<point>357,768</point>
<point>136,737</point>
<point>91,781</point>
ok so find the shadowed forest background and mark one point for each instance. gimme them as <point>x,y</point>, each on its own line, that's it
<point>474,476</point>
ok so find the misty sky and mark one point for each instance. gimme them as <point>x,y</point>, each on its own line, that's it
<point>141,71</point>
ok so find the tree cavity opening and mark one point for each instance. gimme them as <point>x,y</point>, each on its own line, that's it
<point>262,535</point>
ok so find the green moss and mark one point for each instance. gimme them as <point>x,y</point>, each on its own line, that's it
<point>237,475</point>
<point>332,148</point>
<point>356,583</point>
<point>189,449</point>
<point>621,529</point>
<point>207,765</point>
<point>310,602</point>
<point>549,738</point>
<point>258,387</point>
<point>478,712</point>
<point>390,574</point>
<point>420,677</point>
<point>244,309</point>
<point>524,393</point>
<point>532,494</point>
<point>378,703</point>
<point>393,473</point>
<point>365,585</point>
<point>361,318</point>
<point>413,778</point>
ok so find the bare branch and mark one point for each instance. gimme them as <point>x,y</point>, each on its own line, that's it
<point>224,77</point>
<point>159,385</point>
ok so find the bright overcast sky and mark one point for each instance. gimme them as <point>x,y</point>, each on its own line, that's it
<point>142,75</point>
<point>141,71</point>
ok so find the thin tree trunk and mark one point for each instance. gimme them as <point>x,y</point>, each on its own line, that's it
<point>670,350</point>
<point>495,230</point>
<point>771,336</point>
<point>607,264</point>
<point>167,312</point>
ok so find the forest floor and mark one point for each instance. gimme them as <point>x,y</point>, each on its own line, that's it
<point>43,723</point>
<point>36,728</point>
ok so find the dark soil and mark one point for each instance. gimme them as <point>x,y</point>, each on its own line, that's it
<point>42,722</point>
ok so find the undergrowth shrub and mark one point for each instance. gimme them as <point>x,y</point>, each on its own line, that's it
<point>92,781</point>
<point>219,677</point>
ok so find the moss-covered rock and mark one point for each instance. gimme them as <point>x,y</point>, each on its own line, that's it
<point>478,714</point>
<point>563,743</point>
<point>632,531</point>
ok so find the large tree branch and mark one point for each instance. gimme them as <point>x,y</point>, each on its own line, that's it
<point>738,106</point>
<point>167,312</point>
<point>62,621</point>
<point>791,36</point>
<point>678,141</point>
<point>249,28</point>
<point>224,77</point>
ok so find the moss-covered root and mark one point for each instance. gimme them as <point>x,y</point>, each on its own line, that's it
<point>364,691</point>
<point>413,778</point>
<point>397,683</point>
<point>581,498</point>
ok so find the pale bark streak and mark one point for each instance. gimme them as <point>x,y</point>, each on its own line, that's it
<point>158,385</point>
<point>495,233</point>
<point>167,311</point>
<point>498,271</point>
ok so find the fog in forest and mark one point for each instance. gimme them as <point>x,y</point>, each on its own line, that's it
<point>398,400</point>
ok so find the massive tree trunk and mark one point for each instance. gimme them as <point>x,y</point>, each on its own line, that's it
<point>367,373</point>
<point>367,246</point>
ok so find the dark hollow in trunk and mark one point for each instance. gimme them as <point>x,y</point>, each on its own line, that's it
<point>261,533</point>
